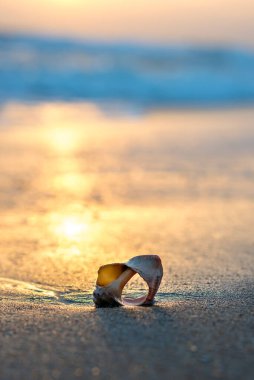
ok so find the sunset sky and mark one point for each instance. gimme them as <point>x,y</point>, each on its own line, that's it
<point>165,21</point>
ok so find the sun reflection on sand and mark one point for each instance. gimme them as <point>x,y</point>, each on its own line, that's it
<point>74,182</point>
<point>79,189</point>
<point>71,228</point>
<point>69,223</point>
<point>63,139</point>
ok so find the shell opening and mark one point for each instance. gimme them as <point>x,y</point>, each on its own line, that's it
<point>109,273</point>
<point>135,291</point>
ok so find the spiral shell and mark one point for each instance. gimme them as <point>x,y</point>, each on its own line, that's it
<point>113,277</point>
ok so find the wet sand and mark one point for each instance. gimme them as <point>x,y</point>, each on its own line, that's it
<point>79,189</point>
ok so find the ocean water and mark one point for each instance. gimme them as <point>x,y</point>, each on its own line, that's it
<point>40,68</point>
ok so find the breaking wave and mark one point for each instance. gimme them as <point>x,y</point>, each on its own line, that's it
<point>40,68</point>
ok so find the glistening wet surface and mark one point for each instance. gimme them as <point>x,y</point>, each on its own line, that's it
<point>20,291</point>
<point>80,189</point>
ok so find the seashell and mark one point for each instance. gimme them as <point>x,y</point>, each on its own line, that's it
<point>113,277</point>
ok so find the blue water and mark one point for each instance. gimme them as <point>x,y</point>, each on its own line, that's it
<point>38,69</point>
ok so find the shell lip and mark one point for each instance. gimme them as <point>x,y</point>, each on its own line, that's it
<point>103,267</point>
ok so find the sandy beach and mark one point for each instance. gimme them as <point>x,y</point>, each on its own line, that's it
<point>80,188</point>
